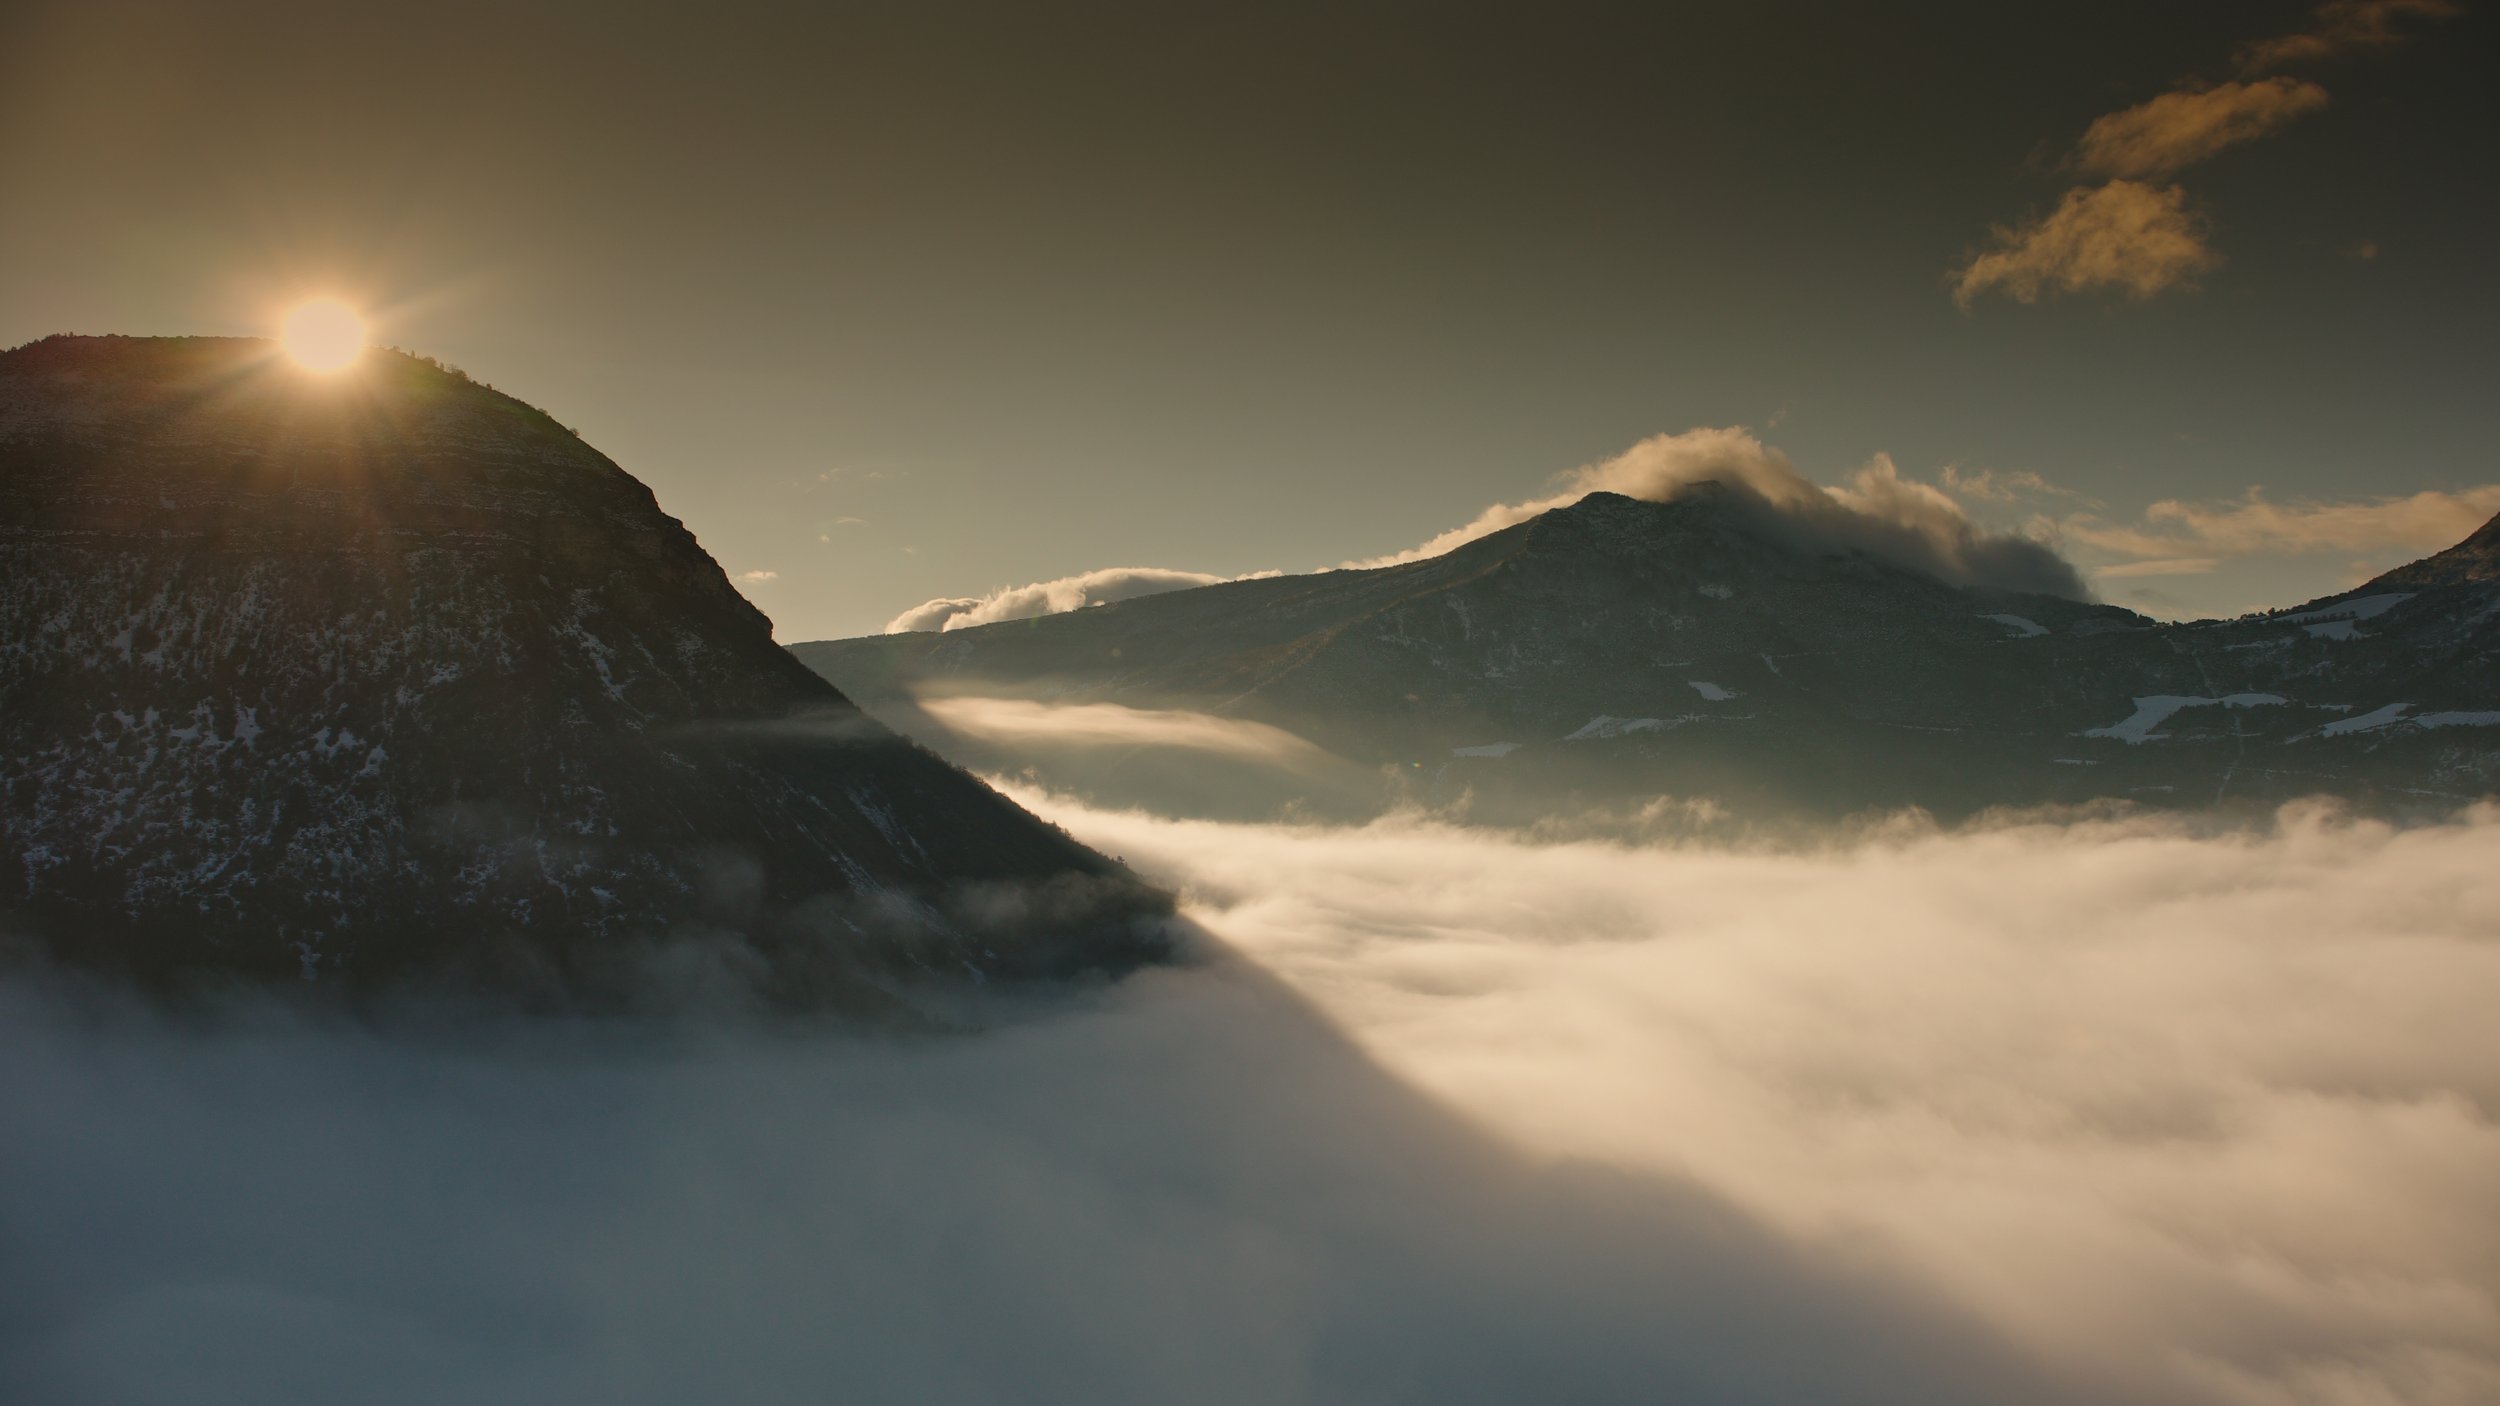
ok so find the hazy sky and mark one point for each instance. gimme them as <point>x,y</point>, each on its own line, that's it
<point>900,301</point>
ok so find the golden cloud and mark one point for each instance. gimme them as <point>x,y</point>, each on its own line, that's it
<point>2341,25</point>
<point>2189,125</point>
<point>2172,530</point>
<point>2138,238</point>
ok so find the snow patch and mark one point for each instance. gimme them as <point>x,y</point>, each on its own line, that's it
<point>1709,691</point>
<point>2358,608</point>
<point>2155,709</point>
<point>2023,626</point>
<point>2370,721</point>
<point>1606,725</point>
<point>2457,720</point>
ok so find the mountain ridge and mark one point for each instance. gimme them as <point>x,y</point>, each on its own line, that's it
<point>390,679</point>
<point>1615,647</point>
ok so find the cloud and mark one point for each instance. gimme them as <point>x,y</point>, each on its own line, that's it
<point>2167,566</point>
<point>2115,1110</point>
<point>758,575</point>
<point>2125,235</point>
<point>1877,511</point>
<point>2421,522</point>
<point>1067,593</point>
<point>1021,722</point>
<point>2141,238</point>
<point>1190,1189</point>
<point>2341,26</point>
<point>2181,128</point>
<point>2003,487</point>
<point>2211,1112</point>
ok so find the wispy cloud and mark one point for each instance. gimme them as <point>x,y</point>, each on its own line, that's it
<point>2189,125</point>
<point>1055,597</point>
<point>1024,722</point>
<point>2125,235</point>
<point>2253,524</point>
<point>2166,566</point>
<point>758,576</point>
<point>2001,486</point>
<point>2342,26</point>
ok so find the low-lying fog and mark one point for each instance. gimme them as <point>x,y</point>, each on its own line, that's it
<point>2076,1111</point>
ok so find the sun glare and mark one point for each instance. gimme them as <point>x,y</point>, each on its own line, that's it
<point>323,335</point>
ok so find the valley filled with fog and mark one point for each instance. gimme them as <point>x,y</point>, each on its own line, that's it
<point>2042,1109</point>
<point>1690,704</point>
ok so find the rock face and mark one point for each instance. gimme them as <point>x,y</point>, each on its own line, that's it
<point>1615,650</point>
<point>388,678</point>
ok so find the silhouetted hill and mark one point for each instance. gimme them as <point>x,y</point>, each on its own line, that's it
<point>1615,650</point>
<point>2472,562</point>
<point>389,678</point>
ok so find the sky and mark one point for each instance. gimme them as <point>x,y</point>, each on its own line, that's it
<point>893,303</point>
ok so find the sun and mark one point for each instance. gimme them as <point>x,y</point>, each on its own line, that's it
<point>323,335</point>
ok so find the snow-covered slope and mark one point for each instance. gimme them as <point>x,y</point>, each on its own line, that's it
<point>391,676</point>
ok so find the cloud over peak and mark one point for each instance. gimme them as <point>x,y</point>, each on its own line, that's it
<point>1877,511</point>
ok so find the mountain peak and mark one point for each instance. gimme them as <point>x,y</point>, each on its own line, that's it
<point>1706,520</point>
<point>2472,562</point>
<point>1698,493</point>
<point>387,676</point>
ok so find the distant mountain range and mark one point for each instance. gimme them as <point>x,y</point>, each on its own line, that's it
<point>389,679</point>
<point>1615,651</point>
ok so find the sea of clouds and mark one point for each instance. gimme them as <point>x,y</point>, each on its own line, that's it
<point>2044,1110</point>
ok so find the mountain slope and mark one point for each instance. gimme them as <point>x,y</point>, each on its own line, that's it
<point>391,678</point>
<point>1618,649</point>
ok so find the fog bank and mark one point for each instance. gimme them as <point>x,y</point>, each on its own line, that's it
<point>2213,1112</point>
<point>2048,1112</point>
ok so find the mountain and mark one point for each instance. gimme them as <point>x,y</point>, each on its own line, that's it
<point>1616,650</point>
<point>388,679</point>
